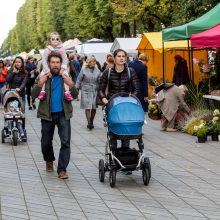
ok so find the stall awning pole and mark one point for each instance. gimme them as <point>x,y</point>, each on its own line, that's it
<point>163,54</point>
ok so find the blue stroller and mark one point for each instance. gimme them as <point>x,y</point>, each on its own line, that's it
<point>124,118</point>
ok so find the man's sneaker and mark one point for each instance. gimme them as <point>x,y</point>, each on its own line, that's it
<point>63,175</point>
<point>42,95</point>
<point>49,166</point>
<point>68,96</point>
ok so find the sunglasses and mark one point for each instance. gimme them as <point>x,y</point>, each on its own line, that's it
<point>55,39</point>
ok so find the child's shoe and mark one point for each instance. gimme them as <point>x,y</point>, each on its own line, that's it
<point>23,138</point>
<point>42,95</point>
<point>68,96</point>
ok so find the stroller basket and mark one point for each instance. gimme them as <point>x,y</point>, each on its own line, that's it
<point>128,157</point>
<point>125,116</point>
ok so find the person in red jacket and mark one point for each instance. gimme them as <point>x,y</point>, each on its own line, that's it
<point>3,74</point>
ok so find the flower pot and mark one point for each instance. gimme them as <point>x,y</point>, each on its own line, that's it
<point>202,139</point>
<point>154,117</point>
<point>214,136</point>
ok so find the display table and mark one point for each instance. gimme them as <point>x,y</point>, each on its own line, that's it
<point>213,97</point>
<point>211,100</point>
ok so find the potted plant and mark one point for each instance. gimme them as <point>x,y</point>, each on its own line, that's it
<point>216,131</point>
<point>214,125</point>
<point>201,132</point>
<point>154,111</point>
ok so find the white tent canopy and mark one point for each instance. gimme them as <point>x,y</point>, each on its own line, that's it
<point>71,44</point>
<point>31,53</point>
<point>94,40</point>
<point>127,44</point>
<point>99,50</point>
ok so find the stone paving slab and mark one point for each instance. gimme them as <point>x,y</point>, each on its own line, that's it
<point>185,181</point>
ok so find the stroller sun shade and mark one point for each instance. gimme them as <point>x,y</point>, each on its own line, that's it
<point>125,116</point>
<point>11,95</point>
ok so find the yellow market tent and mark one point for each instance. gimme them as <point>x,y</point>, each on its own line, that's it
<point>151,44</point>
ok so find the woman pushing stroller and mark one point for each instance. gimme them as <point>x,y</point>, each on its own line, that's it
<point>124,118</point>
<point>120,79</point>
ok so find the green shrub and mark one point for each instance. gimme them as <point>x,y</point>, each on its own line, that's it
<point>216,127</point>
<point>201,132</point>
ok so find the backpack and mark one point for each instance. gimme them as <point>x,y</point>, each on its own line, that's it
<point>72,70</point>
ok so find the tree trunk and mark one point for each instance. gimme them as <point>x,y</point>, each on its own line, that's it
<point>109,33</point>
<point>125,30</point>
<point>150,26</point>
<point>134,28</point>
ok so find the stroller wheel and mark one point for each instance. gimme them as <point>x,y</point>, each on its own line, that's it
<point>112,178</point>
<point>101,170</point>
<point>145,174</point>
<point>147,162</point>
<point>3,136</point>
<point>15,137</point>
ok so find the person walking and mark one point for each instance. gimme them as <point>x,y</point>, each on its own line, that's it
<point>55,110</point>
<point>109,60</point>
<point>3,75</point>
<point>118,81</point>
<point>181,74</point>
<point>74,67</point>
<point>140,67</point>
<point>30,67</point>
<point>87,81</point>
<point>17,78</point>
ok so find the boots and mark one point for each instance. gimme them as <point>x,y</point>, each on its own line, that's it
<point>90,114</point>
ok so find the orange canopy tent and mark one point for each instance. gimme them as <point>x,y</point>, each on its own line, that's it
<point>151,44</point>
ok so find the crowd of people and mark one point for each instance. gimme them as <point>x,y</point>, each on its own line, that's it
<point>56,78</point>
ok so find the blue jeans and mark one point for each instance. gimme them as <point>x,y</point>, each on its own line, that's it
<point>124,143</point>
<point>1,95</point>
<point>18,125</point>
<point>64,131</point>
<point>23,103</point>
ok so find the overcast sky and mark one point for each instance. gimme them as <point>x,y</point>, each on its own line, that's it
<point>8,11</point>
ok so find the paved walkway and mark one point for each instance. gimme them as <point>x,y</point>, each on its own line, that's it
<point>185,181</point>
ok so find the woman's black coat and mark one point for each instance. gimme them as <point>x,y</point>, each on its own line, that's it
<point>118,82</point>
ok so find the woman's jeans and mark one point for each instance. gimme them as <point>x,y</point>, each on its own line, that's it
<point>47,133</point>
<point>23,104</point>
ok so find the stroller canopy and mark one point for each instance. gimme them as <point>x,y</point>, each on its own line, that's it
<point>125,116</point>
<point>11,95</point>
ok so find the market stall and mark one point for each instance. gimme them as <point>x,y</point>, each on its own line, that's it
<point>151,44</point>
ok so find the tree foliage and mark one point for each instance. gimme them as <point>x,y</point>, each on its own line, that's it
<point>105,19</point>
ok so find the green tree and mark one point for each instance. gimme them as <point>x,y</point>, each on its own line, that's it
<point>105,19</point>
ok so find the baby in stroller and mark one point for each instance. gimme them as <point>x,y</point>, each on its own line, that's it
<point>124,118</point>
<point>13,118</point>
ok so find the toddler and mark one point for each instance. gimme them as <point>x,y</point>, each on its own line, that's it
<point>54,45</point>
<point>13,110</point>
